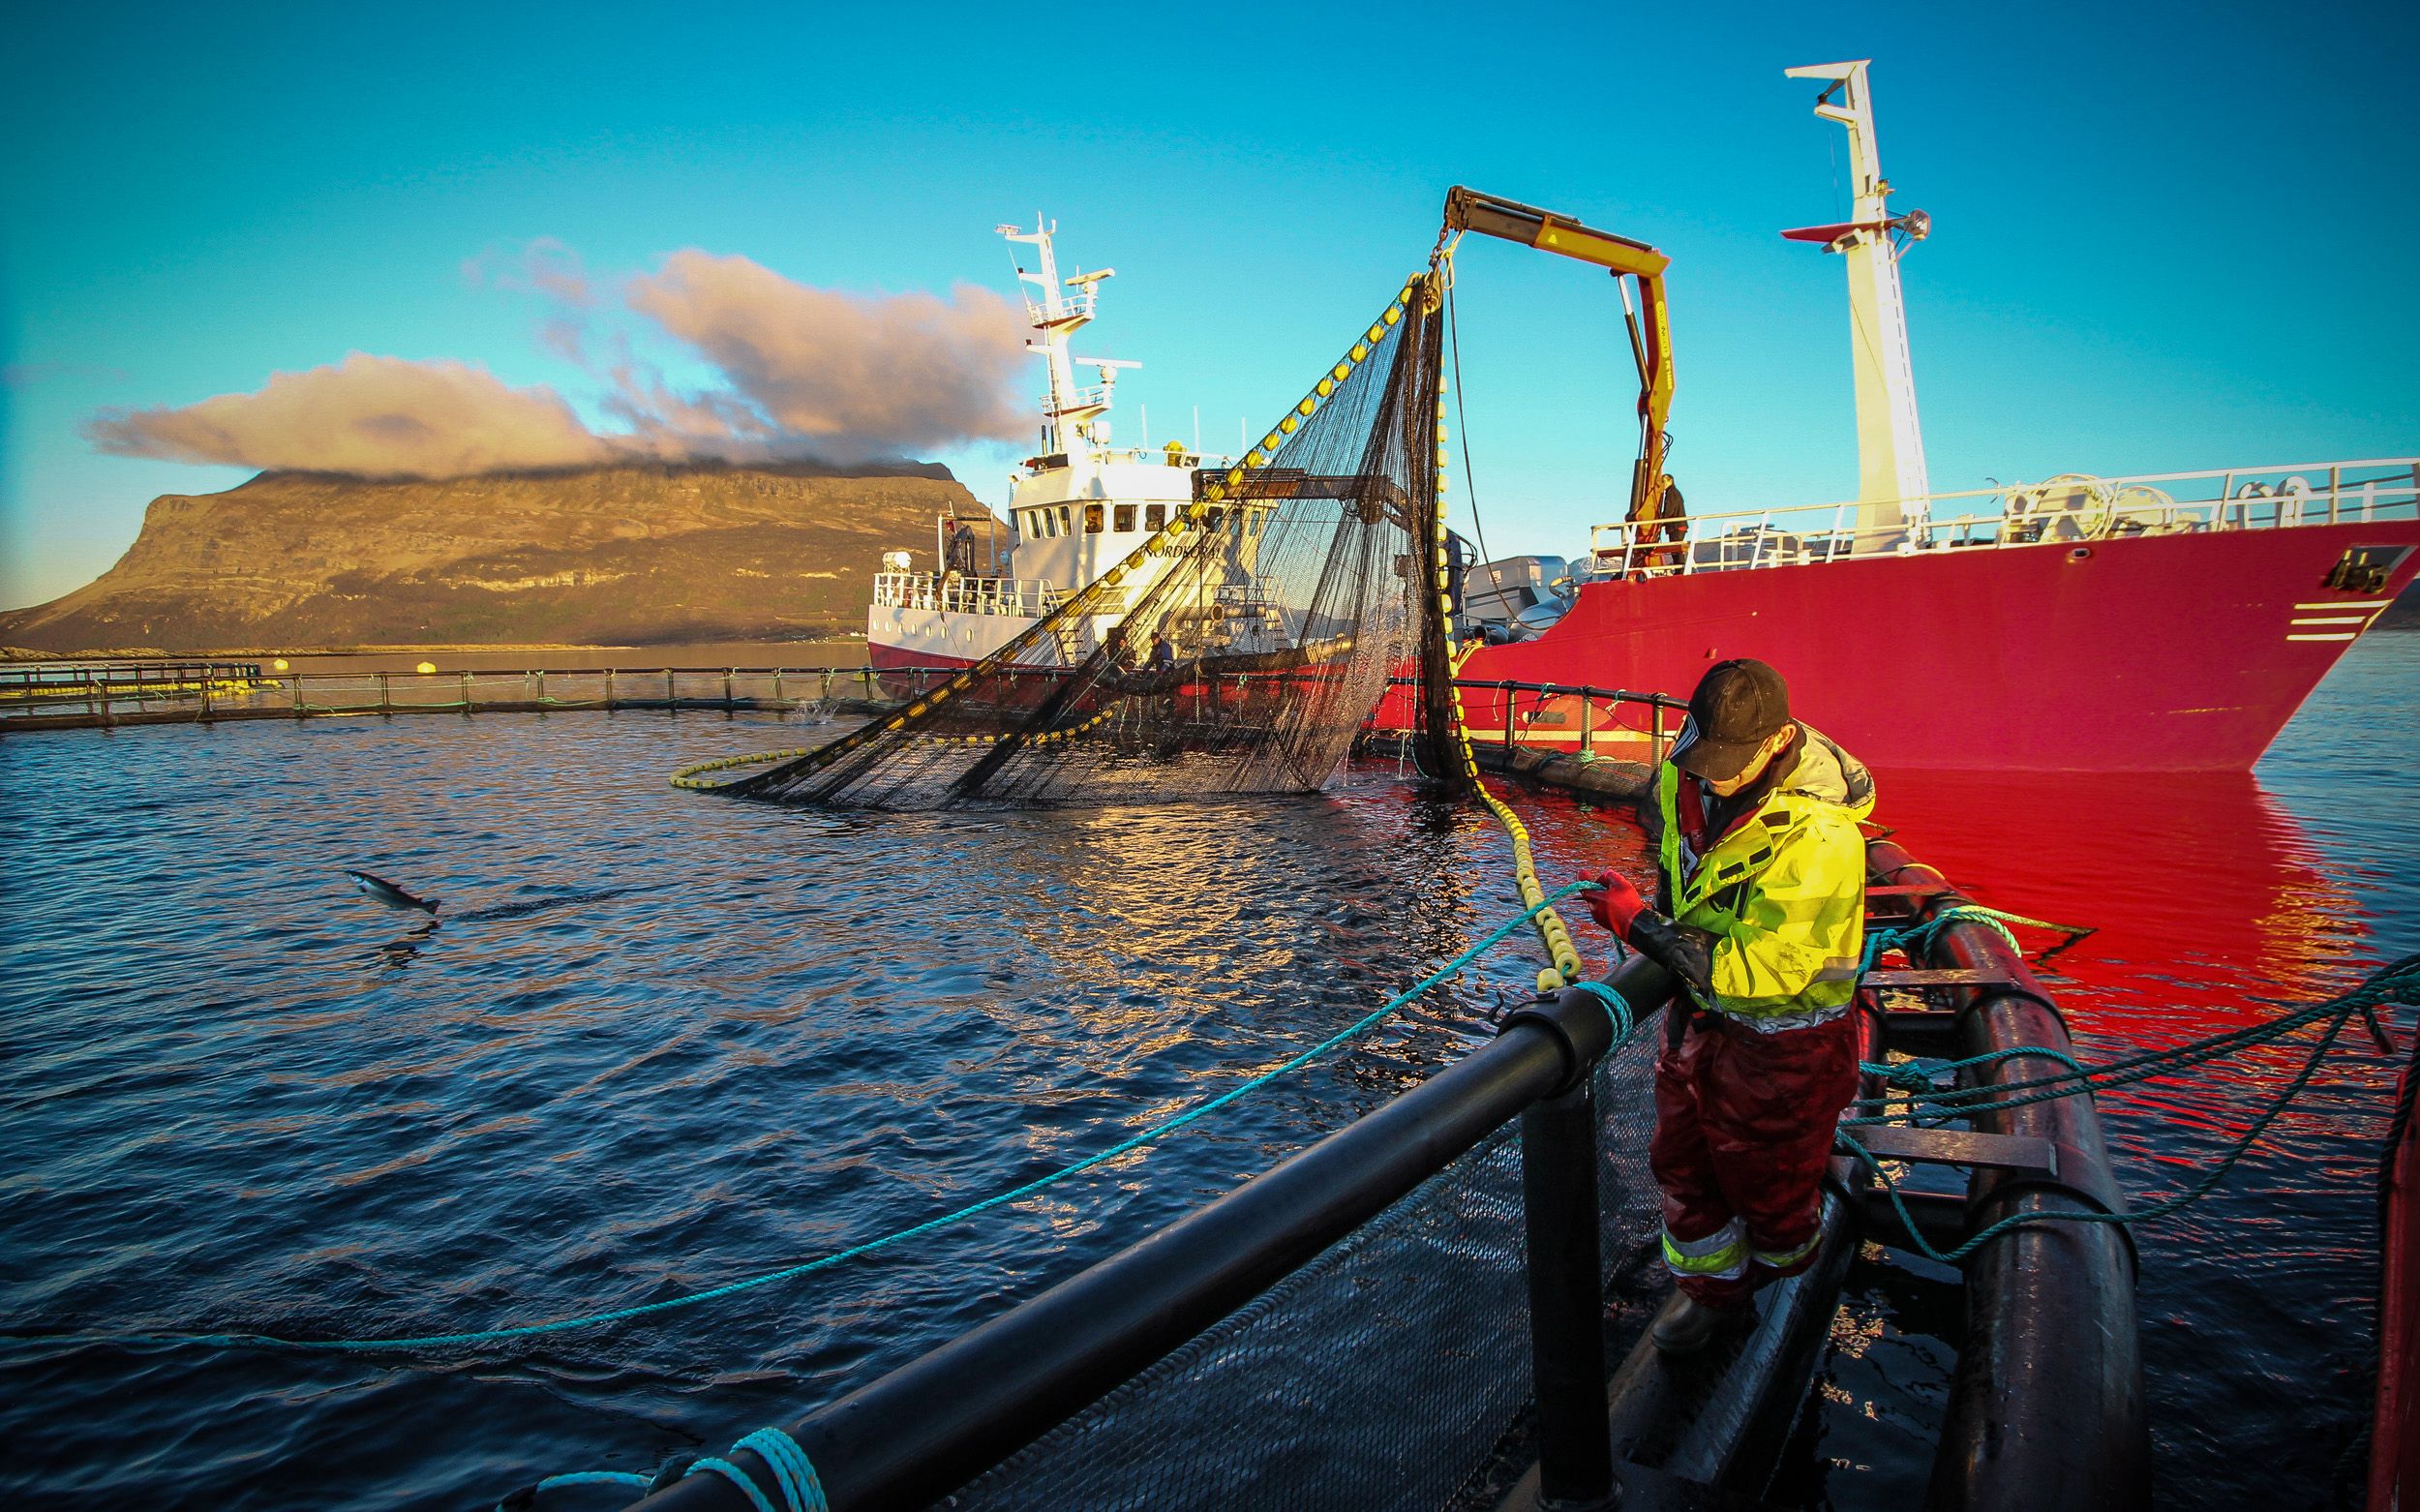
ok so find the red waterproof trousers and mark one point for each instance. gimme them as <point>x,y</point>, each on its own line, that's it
<point>1743,1129</point>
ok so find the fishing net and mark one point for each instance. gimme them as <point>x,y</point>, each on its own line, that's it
<point>1237,649</point>
<point>1391,1370</point>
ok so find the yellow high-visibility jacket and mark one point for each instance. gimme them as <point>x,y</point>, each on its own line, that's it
<point>1782,891</point>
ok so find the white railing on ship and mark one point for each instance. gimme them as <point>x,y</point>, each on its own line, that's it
<point>1028,598</point>
<point>2069,509</point>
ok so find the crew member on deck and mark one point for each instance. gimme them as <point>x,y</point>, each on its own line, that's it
<point>1761,914</point>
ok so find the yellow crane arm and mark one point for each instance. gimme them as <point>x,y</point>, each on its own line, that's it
<point>1651,335</point>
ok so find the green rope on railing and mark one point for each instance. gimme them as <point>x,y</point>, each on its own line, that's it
<point>2396,982</point>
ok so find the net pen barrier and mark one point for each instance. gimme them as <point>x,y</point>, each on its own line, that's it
<point>1358,1327</point>
<point>117,695</point>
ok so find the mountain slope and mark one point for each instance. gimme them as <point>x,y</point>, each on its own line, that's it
<point>627,554</point>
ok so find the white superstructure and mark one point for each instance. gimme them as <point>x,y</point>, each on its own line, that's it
<point>1076,508</point>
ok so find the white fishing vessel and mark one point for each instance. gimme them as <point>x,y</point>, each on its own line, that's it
<point>1077,507</point>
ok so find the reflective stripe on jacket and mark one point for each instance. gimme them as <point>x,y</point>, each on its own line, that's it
<point>1783,890</point>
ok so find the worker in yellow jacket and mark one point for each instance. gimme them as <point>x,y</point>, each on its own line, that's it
<point>1762,918</point>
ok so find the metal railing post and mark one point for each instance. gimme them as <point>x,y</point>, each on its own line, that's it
<point>728,702</point>
<point>1566,1298</point>
<point>672,692</point>
<point>466,690</point>
<point>1511,702</point>
<point>386,703</point>
<point>1588,703</point>
<point>609,690</point>
<point>1654,731</point>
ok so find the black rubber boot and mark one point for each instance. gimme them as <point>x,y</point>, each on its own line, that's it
<point>1688,1325</point>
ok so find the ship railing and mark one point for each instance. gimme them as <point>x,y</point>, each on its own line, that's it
<point>1574,718</point>
<point>1077,305</point>
<point>28,684</point>
<point>955,593</point>
<point>1092,397</point>
<point>2070,509</point>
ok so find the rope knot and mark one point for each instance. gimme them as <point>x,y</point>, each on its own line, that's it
<point>793,1473</point>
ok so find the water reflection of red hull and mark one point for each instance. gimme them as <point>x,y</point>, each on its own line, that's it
<point>2206,893</point>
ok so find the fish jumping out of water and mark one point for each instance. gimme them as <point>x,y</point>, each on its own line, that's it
<point>380,890</point>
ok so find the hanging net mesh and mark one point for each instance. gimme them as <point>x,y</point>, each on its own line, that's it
<point>1238,649</point>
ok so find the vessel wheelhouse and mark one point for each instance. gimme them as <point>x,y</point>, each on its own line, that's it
<point>1077,509</point>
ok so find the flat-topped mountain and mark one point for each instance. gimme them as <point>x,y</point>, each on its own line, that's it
<point>623,555</point>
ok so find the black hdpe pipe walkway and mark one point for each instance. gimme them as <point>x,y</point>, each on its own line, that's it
<point>932,1425</point>
<point>2046,1409</point>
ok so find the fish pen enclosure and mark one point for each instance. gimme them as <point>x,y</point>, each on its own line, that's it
<point>124,694</point>
<point>1419,1310</point>
<point>1367,1325</point>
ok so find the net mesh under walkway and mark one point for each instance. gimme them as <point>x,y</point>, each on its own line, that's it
<point>1238,649</point>
<point>1386,1373</point>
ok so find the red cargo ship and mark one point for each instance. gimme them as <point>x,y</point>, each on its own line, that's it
<point>2185,646</point>
<point>2171,623</point>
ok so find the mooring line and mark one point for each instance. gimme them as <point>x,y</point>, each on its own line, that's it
<point>2398,981</point>
<point>1152,1134</point>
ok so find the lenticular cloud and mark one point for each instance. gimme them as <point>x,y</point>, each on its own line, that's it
<point>796,373</point>
<point>369,417</point>
<point>844,374</point>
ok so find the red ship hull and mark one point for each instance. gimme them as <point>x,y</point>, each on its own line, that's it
<point>2158,653</point>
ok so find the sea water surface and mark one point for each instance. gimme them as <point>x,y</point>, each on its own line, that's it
<point>661,1041</point>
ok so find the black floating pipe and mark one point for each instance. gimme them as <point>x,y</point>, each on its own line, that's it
<point>1566,1297</point>
<point>937,1422</point>
<point>2046,1407</point>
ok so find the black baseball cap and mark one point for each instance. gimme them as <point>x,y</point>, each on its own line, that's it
<point>1738,706</point>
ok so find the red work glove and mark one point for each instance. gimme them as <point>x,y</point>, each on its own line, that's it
<point>1616,902</point>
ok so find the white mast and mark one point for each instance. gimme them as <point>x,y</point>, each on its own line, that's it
<point>1072,414</point>
<point>1892,480</point>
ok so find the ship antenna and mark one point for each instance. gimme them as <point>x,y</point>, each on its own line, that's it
<point>1892,483</point>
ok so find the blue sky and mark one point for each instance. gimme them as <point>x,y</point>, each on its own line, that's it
<point>2166,236</point>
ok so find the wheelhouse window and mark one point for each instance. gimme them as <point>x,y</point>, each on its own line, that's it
<point>1125,517</point>
<point>1155,517</point>
<point>1067,521</point>
<point>1092,519</point>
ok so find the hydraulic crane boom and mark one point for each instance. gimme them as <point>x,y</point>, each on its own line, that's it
<point>1651,338</point>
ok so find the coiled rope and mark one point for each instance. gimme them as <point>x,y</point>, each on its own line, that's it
<point>1919,938</point>
<point>1155,1132</point>
<point>794,1481</point>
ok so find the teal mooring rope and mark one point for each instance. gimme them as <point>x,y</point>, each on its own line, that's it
<point>2396,982</point>
<point>1152,1134</point>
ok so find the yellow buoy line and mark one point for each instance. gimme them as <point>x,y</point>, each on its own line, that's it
<point>1551,931</point>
